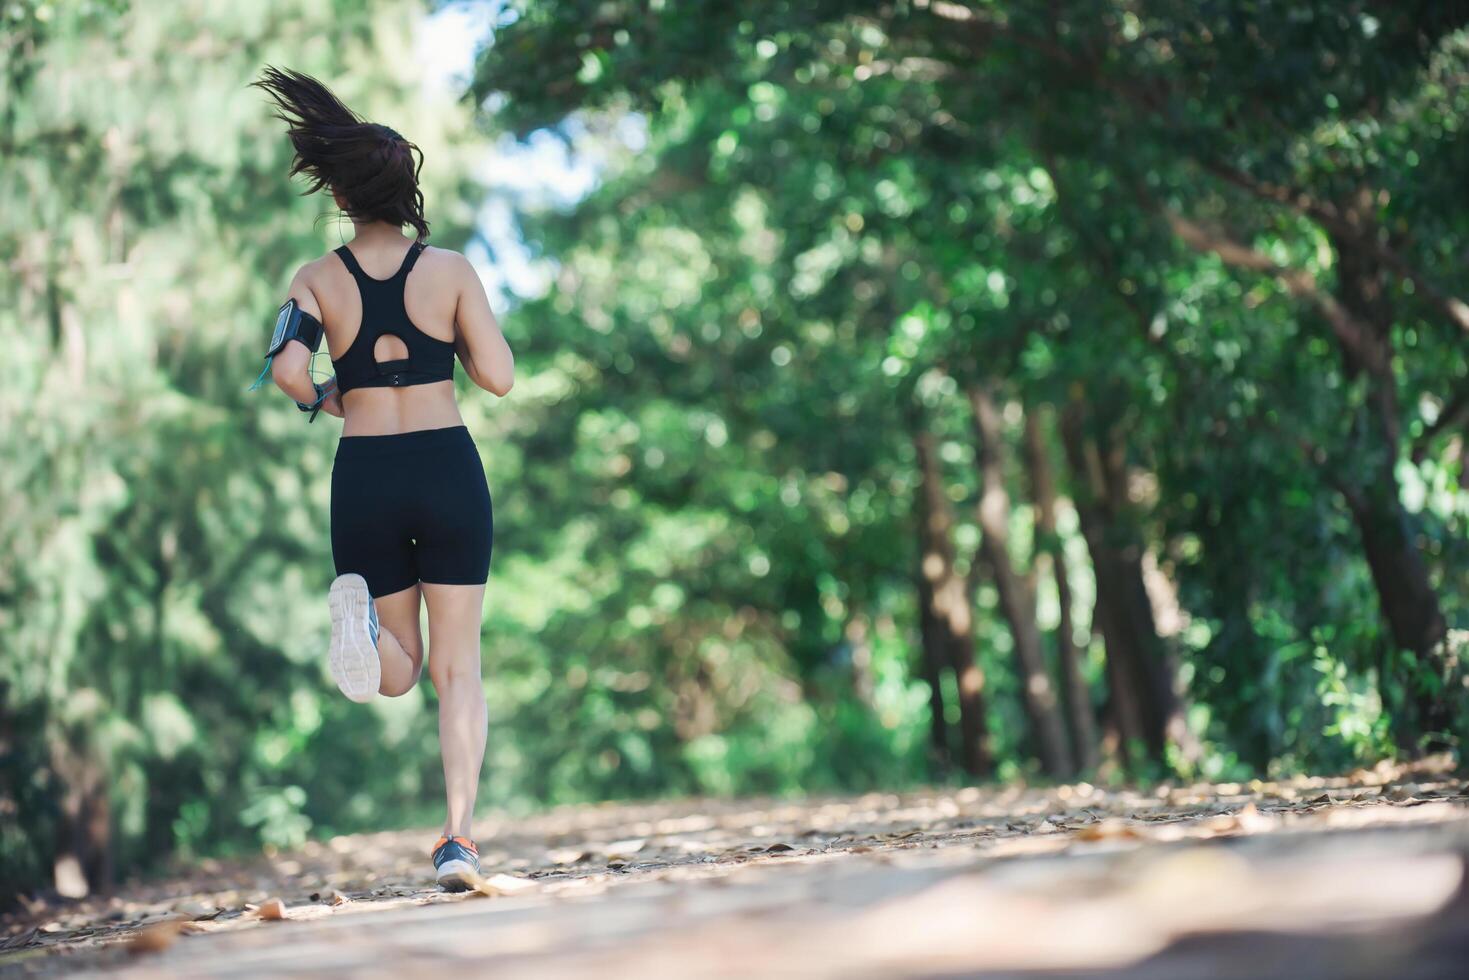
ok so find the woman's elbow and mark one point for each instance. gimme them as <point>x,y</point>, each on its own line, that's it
<point>497,384</point>
<point>500,378</point>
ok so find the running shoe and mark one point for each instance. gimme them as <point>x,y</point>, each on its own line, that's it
<point>456,860</point>
<point>353,655</point>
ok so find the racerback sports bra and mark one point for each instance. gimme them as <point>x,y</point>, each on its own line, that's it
<point>384,314</point>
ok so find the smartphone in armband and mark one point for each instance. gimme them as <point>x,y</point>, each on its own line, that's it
<point>291,323</point>
<point>294,323</point>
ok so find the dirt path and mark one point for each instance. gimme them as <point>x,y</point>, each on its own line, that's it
<point>1362,876</point>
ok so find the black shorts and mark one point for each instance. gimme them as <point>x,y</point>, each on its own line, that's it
<point>411,508</point>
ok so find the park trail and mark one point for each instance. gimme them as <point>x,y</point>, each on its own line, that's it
<point>1358,876</point>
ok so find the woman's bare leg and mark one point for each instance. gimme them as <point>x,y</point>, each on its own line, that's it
<point>454,615</point>
<point>399,641</point>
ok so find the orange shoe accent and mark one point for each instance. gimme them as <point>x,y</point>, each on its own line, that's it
<point>465,841</point>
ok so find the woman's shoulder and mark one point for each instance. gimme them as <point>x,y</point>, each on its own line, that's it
<point>313,269</point>
<point>444,266</point>
<point>444,257</point>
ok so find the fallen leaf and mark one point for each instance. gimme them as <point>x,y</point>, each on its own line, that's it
<point>156,938</point>
<point>1247,820</point>
<point>1223,824</point>
<point>503,885</point>
<point>1109,829</point>
<point>511,885</point>
<point>169,916</point>
<point>19,939</point>
<point>272,909</point>
<point>195,909</point>
<point>1251,820</point>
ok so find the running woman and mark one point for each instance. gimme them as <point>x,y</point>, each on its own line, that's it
<point>410,508</point>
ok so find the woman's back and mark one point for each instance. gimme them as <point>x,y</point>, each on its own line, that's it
<point>393,324</point>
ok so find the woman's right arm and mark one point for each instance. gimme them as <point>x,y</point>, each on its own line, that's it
<point>477,338</point>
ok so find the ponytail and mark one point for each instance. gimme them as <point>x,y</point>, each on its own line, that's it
<point>370,167</point>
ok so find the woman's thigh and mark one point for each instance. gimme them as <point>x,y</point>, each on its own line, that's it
<point>455,613</point>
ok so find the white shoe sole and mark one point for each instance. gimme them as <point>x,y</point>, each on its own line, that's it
<point>353,658</point>
<point>457,876</point>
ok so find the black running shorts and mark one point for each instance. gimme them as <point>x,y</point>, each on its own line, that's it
<point>411,508</point>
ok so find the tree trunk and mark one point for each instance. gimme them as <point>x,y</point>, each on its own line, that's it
<point>949,604</point>
<point>1017,600</point>
<point>933,656</point>
<point>1406,596</point>
<point>83,855</point>
<point>1141,694</point>
<point>1407,599</point>
<point>1074,689</point>
<point>859,650</point>
<point>1162,705</point>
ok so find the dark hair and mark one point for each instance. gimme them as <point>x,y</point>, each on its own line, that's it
<point>369,166</point>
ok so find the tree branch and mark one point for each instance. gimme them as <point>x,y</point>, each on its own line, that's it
<point>986,29</point>
<point>1354,335</point>
<point>1326,214</point>
<point>1453,415</point>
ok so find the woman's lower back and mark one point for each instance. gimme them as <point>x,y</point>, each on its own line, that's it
<point>389,411</point>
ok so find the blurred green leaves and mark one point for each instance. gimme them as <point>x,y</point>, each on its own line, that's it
<point>162,562</point>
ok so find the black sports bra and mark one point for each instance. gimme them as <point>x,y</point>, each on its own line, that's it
<point>383,314</point>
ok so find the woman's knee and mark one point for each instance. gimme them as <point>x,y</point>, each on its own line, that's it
<point>446,672</point>
<point>402,687</point>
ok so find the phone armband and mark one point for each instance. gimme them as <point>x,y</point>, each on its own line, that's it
<point>291,323</point>
<point>294,323</point>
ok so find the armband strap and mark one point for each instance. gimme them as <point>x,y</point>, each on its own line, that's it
<point>323,391</point>
<point>291,323</point>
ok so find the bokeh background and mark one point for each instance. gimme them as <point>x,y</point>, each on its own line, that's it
<point>908,391</point>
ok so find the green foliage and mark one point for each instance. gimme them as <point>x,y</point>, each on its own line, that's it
<point>162,559</point>
<point>848,205</point>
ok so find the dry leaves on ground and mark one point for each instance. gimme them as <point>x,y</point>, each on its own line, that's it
<point>581,850</point>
